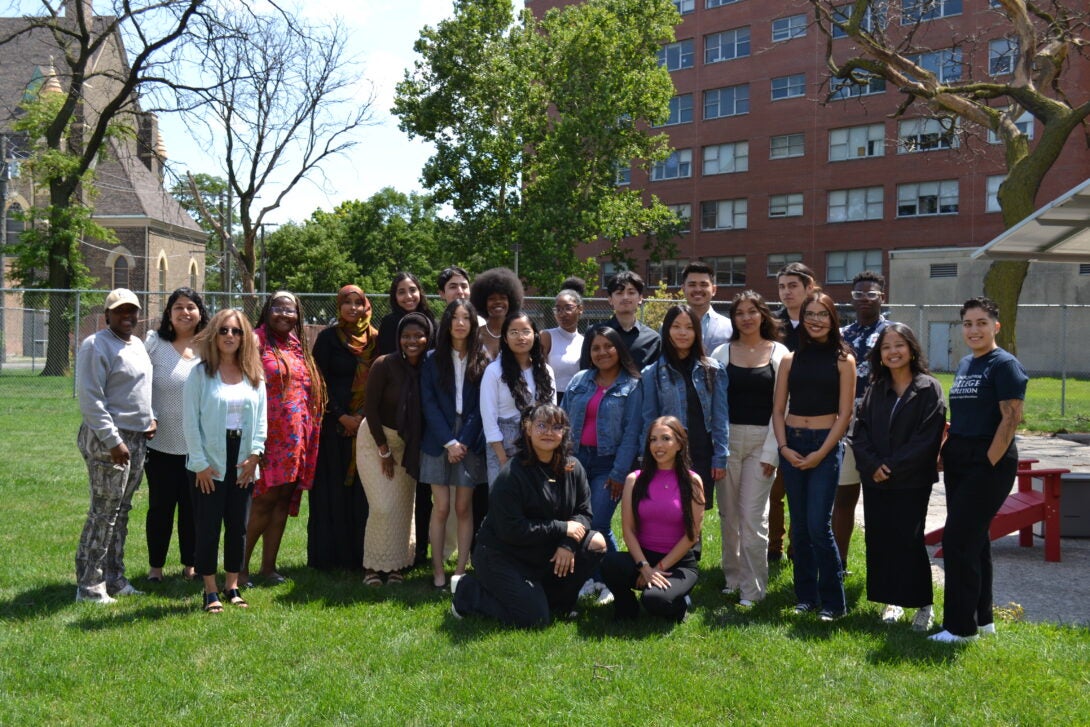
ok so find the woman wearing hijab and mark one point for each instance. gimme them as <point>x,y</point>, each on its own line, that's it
<point>338,508</point>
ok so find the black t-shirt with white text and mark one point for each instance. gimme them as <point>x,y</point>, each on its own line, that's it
<point>981,382</point>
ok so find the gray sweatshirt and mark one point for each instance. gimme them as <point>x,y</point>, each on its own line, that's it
<point>113,378</point>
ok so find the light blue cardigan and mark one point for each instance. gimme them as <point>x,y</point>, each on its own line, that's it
<point>205,422</point>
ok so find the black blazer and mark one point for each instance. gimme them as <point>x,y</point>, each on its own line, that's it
<point>909,443</point>
<point>439,412</point>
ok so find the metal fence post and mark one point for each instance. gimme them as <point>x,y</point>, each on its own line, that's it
<point>75,341</point>
<point>1063,359</point>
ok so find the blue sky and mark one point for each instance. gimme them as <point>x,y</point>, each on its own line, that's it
<point>381,35</point>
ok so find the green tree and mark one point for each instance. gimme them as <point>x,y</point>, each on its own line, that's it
<point>1045,42</point>
<point>96,95</point>
<point>309,258</point>
<point>531,120</point>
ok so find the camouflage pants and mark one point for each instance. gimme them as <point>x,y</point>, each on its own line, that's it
<point>100,558</point>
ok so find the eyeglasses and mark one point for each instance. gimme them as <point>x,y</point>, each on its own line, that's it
<point>230,331</point>
<point>520,332</point>
<point>867,294</point>
<point>542,428</point>
<point>283,310</point>
<point>565,309</point>
<point>816,315</point>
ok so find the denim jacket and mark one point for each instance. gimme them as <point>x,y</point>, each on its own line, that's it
<point>664,394</point>
<point>618,417</point>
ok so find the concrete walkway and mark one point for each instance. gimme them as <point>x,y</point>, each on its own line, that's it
<point>1052,592</point>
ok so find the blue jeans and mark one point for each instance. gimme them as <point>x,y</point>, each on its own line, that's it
<point>602,504</point>
<point>810,495</point>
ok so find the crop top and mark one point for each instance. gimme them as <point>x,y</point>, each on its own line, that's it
<point>813,385</point>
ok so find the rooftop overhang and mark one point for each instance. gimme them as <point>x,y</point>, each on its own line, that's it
<point>1058,232</point>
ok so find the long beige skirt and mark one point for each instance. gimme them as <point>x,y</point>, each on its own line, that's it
<point>390,540</point>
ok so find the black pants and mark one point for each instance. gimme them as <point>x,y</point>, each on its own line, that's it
<point>338,513</point>
<point>508,590</point>
<point>975,490</point>
<point>619,572</point>
<point>898,566</point>
<point>168,488</point>
<point>227,506</point>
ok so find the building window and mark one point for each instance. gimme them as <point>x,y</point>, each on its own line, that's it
<point>193,274</point>
<point>789,86</point>
<point>944,270</point>
<point>923,199</point>
<point>842,266</point>
<point>945,64</point>
<point>684,214</point>
<point>726,46</point>
<point>13,225</point>
<point>1084,268</point>
<point>926,135</point>
<point>785,205</point>
<point>730,101</point>
<point>776,262</point>
<point>718,3</point>
<point>874,18</point>
<point>681,110</point>
<point>622,175</point>
<point>855,205</point>
<point>676,166</point>
<point>991,201</point>
<point>728,270</point>
<point>787,28</point>
<point>726,158</point>
<point>685,6</point>
<point>724,214</point>
<point>915,11</point>
<point>860,84</point>
<point>1002,55</point>
<point>857,142</point>
<point>609,269</point>
<point>665,271</point>
<point>1024,124</point>
<point>121,272</point>
<point>676,56</point>
<point>788,145</point>
<point>162,274</point>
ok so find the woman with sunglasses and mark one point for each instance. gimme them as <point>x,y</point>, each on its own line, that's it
<point>535,547</point>
<point>815,391</point>
<point>296,401</point>
<point>225,427</point>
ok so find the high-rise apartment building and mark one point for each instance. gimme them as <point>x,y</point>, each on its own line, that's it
<point>770,166</point>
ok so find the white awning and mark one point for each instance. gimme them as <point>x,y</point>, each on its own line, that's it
<point>1058,232</point>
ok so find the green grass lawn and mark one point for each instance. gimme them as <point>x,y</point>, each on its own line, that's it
<point>324,648</point>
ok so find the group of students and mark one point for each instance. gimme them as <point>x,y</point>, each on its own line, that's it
<point>544,431</point>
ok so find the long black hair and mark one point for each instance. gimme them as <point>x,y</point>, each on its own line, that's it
<point>771,327</point>
<point>669,351</point>
<point>549,414</point>
<point>476,359</point>
<point>624,356</point>
<point>682,469</point>
<point>511,372</point>
<point>166,328</point>
<point>421,307</point>
<point>834,340</point>
<point>917,364</point>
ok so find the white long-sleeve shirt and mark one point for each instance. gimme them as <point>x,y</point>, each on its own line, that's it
<point>114,386</point>
<point>497,402</point>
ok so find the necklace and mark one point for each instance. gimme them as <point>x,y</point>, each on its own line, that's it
<point>546,474</point>
<point>489,331</point>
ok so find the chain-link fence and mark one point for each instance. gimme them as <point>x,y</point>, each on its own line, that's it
<point>1047,334</point>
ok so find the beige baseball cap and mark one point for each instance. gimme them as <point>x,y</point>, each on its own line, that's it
<point>121,296</point>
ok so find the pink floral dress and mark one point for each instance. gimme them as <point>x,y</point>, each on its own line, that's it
<point>291,447</point>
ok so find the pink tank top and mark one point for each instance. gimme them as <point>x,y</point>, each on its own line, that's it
<point>589,436</point>
<point>662,522</point>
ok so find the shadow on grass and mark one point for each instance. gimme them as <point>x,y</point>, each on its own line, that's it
<point>39,602</point>
<point>102,618</point>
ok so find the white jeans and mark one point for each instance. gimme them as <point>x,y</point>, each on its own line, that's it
<point>743,513</point>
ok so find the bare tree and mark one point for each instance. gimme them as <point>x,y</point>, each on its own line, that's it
<point>95,95</point>
<point>278,96</point>
<point>1043,42</point>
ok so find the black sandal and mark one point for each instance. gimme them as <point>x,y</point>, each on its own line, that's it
<point>235,598</point>
<point>212,602</point>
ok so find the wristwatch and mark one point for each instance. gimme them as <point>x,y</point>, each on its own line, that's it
<point>642,563</point>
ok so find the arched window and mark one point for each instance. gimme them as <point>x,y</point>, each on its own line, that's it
<point>121,272</point>
<point>193,274</point>
<point>162,274</point>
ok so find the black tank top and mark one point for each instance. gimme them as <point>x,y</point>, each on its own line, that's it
<point>749,394</point>
<point>814,382</point>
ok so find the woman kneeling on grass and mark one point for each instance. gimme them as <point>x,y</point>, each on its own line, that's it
<point>661,511</point>
<point>535,547</point>
<point>224,417</point>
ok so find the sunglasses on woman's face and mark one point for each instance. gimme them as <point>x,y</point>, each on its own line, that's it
<point>230,331</point>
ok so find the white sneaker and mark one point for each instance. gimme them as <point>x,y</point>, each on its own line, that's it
<point>945,637</point>
<point>987,629</point>
<point>590,588</point>
<point>605,596</point>
<point>454,612</point>
<point>746,603</point>
<point>892,614</point>
<point>128,590</point>
<point>454,581</point>
<point>94,597</point>
<point>923,620</point>
<point>729,590</point>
